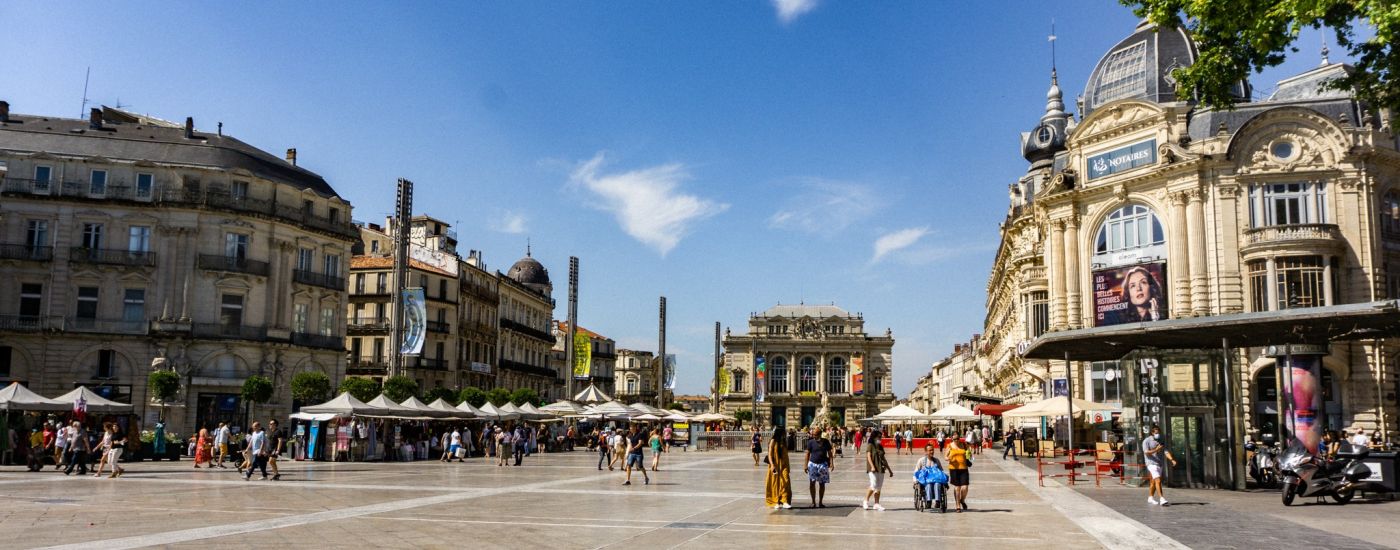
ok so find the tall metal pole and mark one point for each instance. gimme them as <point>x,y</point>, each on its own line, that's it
<point>1230,395</point>
<point>661,364</point>
<point>403,210</point>
<point>714,396</point>
<point>1069,399</point>
<point>569,353</point>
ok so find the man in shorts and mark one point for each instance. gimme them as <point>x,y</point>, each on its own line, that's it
<point>1155,457</point>
<point>636,441</point>
<point>221,436</point>
<point>819,467</point>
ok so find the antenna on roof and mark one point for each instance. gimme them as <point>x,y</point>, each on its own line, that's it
<point>1325,61</point>
<point>527,247</point>
<point>82,111</point>
<point>1052,45</point>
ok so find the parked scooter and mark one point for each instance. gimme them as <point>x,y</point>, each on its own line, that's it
<point>1307,475</point>
<point>1263,464</point>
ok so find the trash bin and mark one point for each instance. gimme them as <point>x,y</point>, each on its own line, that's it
<point>1384,475</point>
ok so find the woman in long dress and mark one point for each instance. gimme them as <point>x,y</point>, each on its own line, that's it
<point>777,490</point>
<point>202,446</point>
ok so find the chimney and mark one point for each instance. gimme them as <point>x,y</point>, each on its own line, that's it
<point>4,111</point>
<point>292,156</point>
<point>95,118</point>
<point>189,127</point>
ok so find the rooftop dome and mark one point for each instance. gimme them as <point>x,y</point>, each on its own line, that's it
<point>1048,137</point>
<point>530,272</point>
<point>1140,67</point>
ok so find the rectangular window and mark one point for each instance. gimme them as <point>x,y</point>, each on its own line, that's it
<point>378,350</point>
<point>835,379</point>
<point>134,305</point>
<point>305,257</point>
<point>1288,203</point>
<point>737,384</point>
<point>236,246</point>
<point>31,299</point>
<point>231,311</point>
<point>139,238</point>
<point>442,289</point>
<point>332,265</point>
<point>308,207</point>
<point>374,246</point>
<point>5,352</point>
<point>355,349</point>
<point>381,283</point>
<point>144,184</point>
<point>359,283</point>
<point>1300,281</point>
<point>87,303</point>
<point>37,235</point>
<point>327,321</point>
<point>1037,311</point>
<point>1106,379</point>
<point>1258,285</point>
<point>106,363</point>
<point>98,183</point>
<point>92,236</point>
<point>300,312</point>
<point>42,178</point>
<point>334,215</point>
<point>238,190</point>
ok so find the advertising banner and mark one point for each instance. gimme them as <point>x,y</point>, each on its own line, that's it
<point>583,356</point>
<point>857,375</point>
<point>1122,159</point>
<point>415,321</point>
<point>760,370</point>
<point>668,372</point>
<point>1059,386</point>
<point>722,385</point>
<point>438,259</point>
<point>1303,389</point>
<point>1130,294</point>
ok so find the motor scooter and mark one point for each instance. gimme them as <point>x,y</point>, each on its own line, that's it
<point>1311,476</point>
<point>1263,463</point>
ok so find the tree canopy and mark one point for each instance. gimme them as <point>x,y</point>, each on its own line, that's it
<point>522,396</point>
<point>475,396</point>
<point>311,386</point>
<point>164,384</point>
<point>498,396</point>
<point>446,394</point>
<point>1240,37</point>
<point>363,389</point>
<point>399,388</point>
<point>257,389</point>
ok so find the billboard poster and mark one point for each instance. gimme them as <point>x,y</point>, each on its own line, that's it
<point>1059,386</point>
<point>857,375</point>
<point>1303,388</point>
<point>583,356</point>
<point>668,374</point>
<point>415,321</point>
<point>1130,294</point>
<point>760,371</point>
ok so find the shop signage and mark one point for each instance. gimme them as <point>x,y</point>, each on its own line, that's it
<point>1295,349</point>
<point>1151,394</point>
<point>438,259</point>
<point>1130,294</point>
<point>481,367</point>
<point>1122,159</point>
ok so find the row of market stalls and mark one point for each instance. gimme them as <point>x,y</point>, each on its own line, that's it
<point>23,410</point>
<point>953,415</point>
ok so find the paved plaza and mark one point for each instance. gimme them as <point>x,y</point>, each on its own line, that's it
<point>697,500</point>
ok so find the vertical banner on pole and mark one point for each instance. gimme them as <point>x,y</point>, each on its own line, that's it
<point>857,375</point>
<point>760,369</point>
<point>669,372</point>
<point>415,319</point>
<point>583,356</point>
<point>722,384</point>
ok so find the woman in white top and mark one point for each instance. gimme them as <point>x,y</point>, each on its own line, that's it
<point>103,449</point>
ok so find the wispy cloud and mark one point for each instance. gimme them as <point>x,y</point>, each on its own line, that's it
<point>511,222</point>
<point>824,206</point>
<point>898,240</point>
<point>788,10</point>
<point>647,202</point>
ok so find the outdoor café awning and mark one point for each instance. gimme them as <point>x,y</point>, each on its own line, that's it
<point>1314,325</point>
<point>993,410</point>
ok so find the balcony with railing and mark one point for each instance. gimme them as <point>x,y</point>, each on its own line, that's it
<point>26,252</point>
<point>224,200</point>
<point>112,257</point>
<point>232,264</point>
<point>428,363</point>
<point>318,279</point>
<point>106,326</point>
<point>1303,237</point>
<point>440,327</point>
<point>30,323</point>
<point>318,340</point>
<point>230,332</point>
<point>114,189</point>
<point>364,366</point>
<point>527,368</point>
<point>543,336</point>
<point>366,323</point>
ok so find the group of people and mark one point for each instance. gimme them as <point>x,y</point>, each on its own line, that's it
<point>261,449</point>
<point>819,454</point>
<point>628,446</point>
<point>72,446</point>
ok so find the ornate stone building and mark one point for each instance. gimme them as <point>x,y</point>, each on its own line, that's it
<point>526,316</point>
<point>636,377</point>
<point>127,241</point>
<point>478,324</point>
<point>602,358</point>
<point>812,356</point>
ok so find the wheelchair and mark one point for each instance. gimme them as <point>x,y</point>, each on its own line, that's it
<point>939,502</point>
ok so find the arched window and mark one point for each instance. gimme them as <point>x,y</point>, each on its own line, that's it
<point>807,374</point>
<point>1130,227</point>
<point>778,375</point>
<point>836,375</point>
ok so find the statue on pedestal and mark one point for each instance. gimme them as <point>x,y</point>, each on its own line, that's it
<point>824,411</point>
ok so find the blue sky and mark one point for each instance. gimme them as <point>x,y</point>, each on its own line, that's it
<point>728,155</point>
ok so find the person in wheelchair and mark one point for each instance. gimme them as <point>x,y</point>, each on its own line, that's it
<point>931,481</point>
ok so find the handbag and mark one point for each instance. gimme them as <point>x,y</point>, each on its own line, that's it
<point>765,459</point>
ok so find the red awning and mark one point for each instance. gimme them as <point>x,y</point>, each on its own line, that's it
<point>992,410</point>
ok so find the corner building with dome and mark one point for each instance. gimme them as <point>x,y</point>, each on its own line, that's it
<point>1142,212</point>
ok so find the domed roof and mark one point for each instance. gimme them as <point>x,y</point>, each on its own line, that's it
<point>1140,67</point>
<point>1048,137</point>
<point>529,271</point>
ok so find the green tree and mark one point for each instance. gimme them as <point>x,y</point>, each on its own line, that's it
<point>164,385</point>
<point>256,389</point>
<point>311,386</point>
<point>363,389</point>
<point>743,415</point>
<point>498,396</point>
<point>446,394</point>
<point>1237,37</point>
<point>399,388</point>
<point>676,406</point>
<point>475,396</point>
<point>524,395</point>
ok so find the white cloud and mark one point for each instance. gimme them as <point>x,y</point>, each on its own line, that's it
<point>788,10</point>
<point>647,202</point>
<point>511,222</point>
<point>898,240</point>
<point>825,206</point>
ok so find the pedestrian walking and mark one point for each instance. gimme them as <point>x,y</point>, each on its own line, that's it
<point>666,439</point>
<point>202,446</point>
<point>959,460</point>
<point>62,435</point>
<point>876,467</point>
<point>1010,445</point>
<point>78,448</point>
<point>655,442</point>
<point>605,450</point>
<point>619,443</point>
<point>257,447</point>
<point>898,441</point>
<point>115,450</point>
<point>756,445</point>
<point>502,441</point>
<point>859,437</point>
<point>520,439</point>
<point>908,440</point>
<point>635,442</point>
<point>1155,457</point>
<point>819,467</point>
<point>777,486</point>
<point>276,441</point>
<point>104,444</point>
<point>221,438</point>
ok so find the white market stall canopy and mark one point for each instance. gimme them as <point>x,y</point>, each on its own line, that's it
<point>19,398</point>
<point>389,409</point>
<point>423,409</point>
<point>343,405</point>
<point>446,407</point>
<point>95,403</point>
<point>1056,406</point>
<point>563,408</point>
<point>314,417</point>
<point>534,412</point>
<point>592,394</point>
<point>902,413</point>
<point>954,412</point>
<point>492,412</point>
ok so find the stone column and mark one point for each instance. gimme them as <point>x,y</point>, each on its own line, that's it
<point>1057,275</point>
<point>1179,265</point>
<point>1197,242</point>
<point>1271,284</point>
<point>1073,315</point>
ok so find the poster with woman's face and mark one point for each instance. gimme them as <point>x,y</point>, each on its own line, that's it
<point>1130,294</point>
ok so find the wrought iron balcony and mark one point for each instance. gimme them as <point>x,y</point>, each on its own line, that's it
<point>318,279</point>
<point>367,323</point>
<point>439,327</point>
<point>30,323</point>
<point>232,264</point>
<point>318,340</point>
<point>367,367</point>
<point>428,363</point>
<point>26,252</point>
<point>106,326</point>
<point>233,332</point>
<point>112,257</point>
